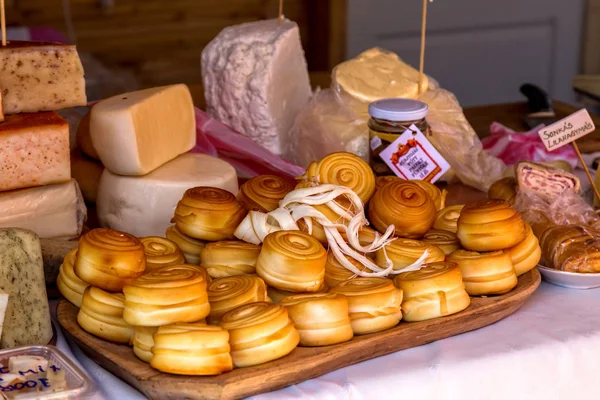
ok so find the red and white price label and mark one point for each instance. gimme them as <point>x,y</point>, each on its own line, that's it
<point>413,157</point>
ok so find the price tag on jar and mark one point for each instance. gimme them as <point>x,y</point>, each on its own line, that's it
<point>411,156</point>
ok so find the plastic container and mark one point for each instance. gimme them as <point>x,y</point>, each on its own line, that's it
<point>390,118</point>
<point>51,376</point>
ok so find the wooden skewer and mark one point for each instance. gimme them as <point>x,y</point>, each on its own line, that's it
<point>3,22</point>
<point>587,171</point>
<point>422,59</point>
<point>280,18</point>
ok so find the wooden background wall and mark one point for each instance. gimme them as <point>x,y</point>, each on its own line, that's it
<point>161,40</point>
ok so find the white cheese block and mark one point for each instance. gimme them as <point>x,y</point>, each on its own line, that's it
<point>32,364</point>
<point>27,320</point>
<point>256,80</point>
<point>135,133</point>
<point>144,206</point>
<point>3,305</point>
<point>52,212</point>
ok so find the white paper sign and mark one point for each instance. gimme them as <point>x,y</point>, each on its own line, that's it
<point>567,130</point>
<point>412,157</point>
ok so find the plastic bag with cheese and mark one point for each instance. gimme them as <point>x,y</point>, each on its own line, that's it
<point>326,126</point>
<point>458,143</point>
<point>336,118</point>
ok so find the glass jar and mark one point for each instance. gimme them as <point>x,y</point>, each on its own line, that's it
<point>390,118</point>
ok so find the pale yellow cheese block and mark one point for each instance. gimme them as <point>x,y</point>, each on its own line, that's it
<point>376,74</point>
<point>135,133</point>
<point>40,76</point>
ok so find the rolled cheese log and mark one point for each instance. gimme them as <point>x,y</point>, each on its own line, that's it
<point>68,283</point>
<point>259,332</point>
<point>191,349</point>
<point>485,273</point>
<point>161,252</point>
<point>166,295</point>
<point>101,314</point>
<point>374,304</point>
<point>225,294</point>
<point>405,205</point>
<point>438,196</point>
<point>191,247</point>
<point>335,273</point>
<point>320,318</point>
<point>229,258</point>
<point>142,342</point>
<point>526,255</point>
<point>446,218</point>
<point>208,213</point>
<point>447,241</point>
<point>276,295</point>
<point>490,225</point>
<point>384,180</point>
<point>504,189</point>
<point>344,169</point>
<point>292,261</point>
<point>436,290</point>
<point>404,252</point>
<point>263,192</point>
<point>109,259</point>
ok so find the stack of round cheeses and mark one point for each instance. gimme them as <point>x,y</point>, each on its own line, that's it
<point>248,303</point>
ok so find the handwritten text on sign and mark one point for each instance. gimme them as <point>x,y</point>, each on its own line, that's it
<point>567,130</point>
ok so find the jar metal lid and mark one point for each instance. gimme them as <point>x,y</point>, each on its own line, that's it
<point>398,109</point>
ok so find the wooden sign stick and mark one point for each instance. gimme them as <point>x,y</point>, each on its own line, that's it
<point>585,168</point>
<point>280,18</point>
<point>3,22</point>
<point>422,59</point>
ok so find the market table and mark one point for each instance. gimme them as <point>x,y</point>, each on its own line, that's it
<point>548,349</point>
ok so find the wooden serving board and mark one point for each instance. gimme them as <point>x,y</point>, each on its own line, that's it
<point>303,363</point>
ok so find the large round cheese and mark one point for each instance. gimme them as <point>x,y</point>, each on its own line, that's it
<point>376,74</point>
<point>144,205</point>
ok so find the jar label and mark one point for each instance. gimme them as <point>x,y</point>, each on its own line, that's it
<point>411,156</point>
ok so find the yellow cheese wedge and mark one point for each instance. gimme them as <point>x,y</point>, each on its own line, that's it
<point>135,133</point>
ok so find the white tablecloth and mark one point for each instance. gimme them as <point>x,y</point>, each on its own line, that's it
<point>549,349</point>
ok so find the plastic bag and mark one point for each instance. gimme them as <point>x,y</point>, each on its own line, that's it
<point>458,142</point>
<point>326,126</point>
<point>336,120</point>
<point>511,146</point>
<point>248,158</point>
<point>566,229</point>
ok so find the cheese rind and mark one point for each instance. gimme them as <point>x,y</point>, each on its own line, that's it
<point>38,76</point>
<point>144,206</point>
<point>34,150</point>
<point>52,211</point>
<point>256,80</point>
<point>87,173</point>
<point>27,320</point>
<point>135,133</point>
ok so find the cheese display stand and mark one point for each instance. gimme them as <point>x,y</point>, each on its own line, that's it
<point>281,235</point>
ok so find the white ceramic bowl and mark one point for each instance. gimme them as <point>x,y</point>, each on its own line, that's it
<point>571,280</point>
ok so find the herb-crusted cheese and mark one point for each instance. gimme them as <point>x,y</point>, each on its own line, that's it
<point>27,320</point>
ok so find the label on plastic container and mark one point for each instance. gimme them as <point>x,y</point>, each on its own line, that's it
<point>567,130</point>
<point>411,156</point>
